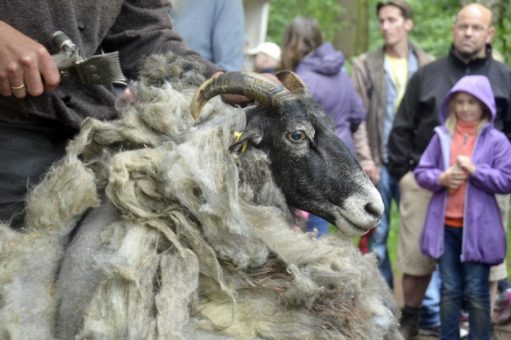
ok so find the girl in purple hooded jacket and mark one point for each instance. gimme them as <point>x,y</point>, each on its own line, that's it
<point>466,163</point>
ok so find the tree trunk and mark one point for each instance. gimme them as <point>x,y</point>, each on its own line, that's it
<point>353,36</point>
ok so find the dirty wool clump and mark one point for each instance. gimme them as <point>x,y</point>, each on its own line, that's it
<point>177,237</point>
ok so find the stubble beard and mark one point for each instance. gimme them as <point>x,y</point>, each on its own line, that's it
<point>468,55</point>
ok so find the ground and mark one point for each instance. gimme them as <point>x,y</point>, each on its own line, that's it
<point>501,332</point>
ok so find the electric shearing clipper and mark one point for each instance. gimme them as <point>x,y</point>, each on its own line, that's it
<point>100,69</point>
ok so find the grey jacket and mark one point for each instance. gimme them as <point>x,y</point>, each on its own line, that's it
<point>135,28</point>
<point>369,79</point>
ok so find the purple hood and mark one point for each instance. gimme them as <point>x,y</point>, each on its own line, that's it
<point>332,88</point>
<point>325,60</point>
<point>477,86</point>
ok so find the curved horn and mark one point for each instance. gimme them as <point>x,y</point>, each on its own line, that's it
<point>292,82</point>
<point>250,84</point>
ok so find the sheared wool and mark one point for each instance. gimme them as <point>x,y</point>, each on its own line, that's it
<point>29,260</point>
<point>190,240</point>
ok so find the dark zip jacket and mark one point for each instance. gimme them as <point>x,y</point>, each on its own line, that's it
<point>417,115</point>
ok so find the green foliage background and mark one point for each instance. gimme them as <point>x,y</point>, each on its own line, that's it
<point>325,12</point>
<point>433,21</point>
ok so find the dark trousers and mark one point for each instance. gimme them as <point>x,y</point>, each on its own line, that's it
<point>388,188</point>
<point>469,280</point>
<point>26,153</point>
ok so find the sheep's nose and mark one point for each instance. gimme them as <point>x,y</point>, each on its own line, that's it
<point>374,210</point>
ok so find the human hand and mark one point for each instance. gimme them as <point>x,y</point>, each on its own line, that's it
<point>26,66</point>
<point>371,170</point>
<point>452,178</point>
<point>233,99</point>
<point>465,163</point>
<point>238,99</point>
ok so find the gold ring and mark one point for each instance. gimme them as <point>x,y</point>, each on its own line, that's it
<point>19,87</point>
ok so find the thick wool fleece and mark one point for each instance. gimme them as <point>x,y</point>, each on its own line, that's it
<point>190,240</point>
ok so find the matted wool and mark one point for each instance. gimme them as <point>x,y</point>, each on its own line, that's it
<point>177,237</point>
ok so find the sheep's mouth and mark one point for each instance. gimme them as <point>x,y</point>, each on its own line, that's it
<point>348,227</point>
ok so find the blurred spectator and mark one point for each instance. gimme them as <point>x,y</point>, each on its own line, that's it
<point>214,28</point>
<point>380,78</point>
<point>471,53</point>
<point>266,57</point>
<point>320,66</point>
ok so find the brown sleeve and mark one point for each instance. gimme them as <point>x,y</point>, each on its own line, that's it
<point>360,139</point>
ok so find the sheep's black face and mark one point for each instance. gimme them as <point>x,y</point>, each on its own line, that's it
<point>315,170</point>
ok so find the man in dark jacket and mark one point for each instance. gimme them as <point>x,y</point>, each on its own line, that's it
<point>39,111</point>
<point>412,130</point>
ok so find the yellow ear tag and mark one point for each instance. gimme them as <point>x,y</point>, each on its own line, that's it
<point>237,135</point>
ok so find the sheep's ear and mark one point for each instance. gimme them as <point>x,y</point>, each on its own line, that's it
<point>243,140</point>
<point>292,82</point>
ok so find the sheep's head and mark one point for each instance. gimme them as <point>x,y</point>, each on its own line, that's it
<point>313,167</point>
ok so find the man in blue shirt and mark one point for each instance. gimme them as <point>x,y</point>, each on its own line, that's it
<point>214,28</point>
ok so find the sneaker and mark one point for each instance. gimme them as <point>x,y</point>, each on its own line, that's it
<point>463,333</point>
<point>430,331</point>
<point>502,309</point>
<point>409,323</point>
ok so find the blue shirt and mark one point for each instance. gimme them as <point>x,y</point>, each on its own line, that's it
<point>213,28</point>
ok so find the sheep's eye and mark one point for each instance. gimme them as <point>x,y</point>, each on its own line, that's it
<point>296,136</point>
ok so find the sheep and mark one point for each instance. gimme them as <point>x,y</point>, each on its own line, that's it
<point>157,226</point>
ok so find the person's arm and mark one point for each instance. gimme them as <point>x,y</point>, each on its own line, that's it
<point>26,66</point>
<point>359,135</point>
<point>360,139</point>
<point>363,153</point>
<point>401,139</point>
<point>496,177</point>
<point>361,81</point>
<point>507,114</point>
<point>228,35</point>
<point>143,28</point>
<point>428,172</point>
<point>357,112</point>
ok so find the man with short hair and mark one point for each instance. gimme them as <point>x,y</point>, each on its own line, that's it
<point>380,78</point>
<point>470,53</point>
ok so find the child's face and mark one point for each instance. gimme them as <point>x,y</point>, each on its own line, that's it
<point>467,108</point>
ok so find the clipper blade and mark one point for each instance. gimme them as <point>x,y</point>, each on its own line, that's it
<point>100,69</point>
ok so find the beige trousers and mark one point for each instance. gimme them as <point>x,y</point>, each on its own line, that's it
<point>499,272</point>
<point>413,205</point>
